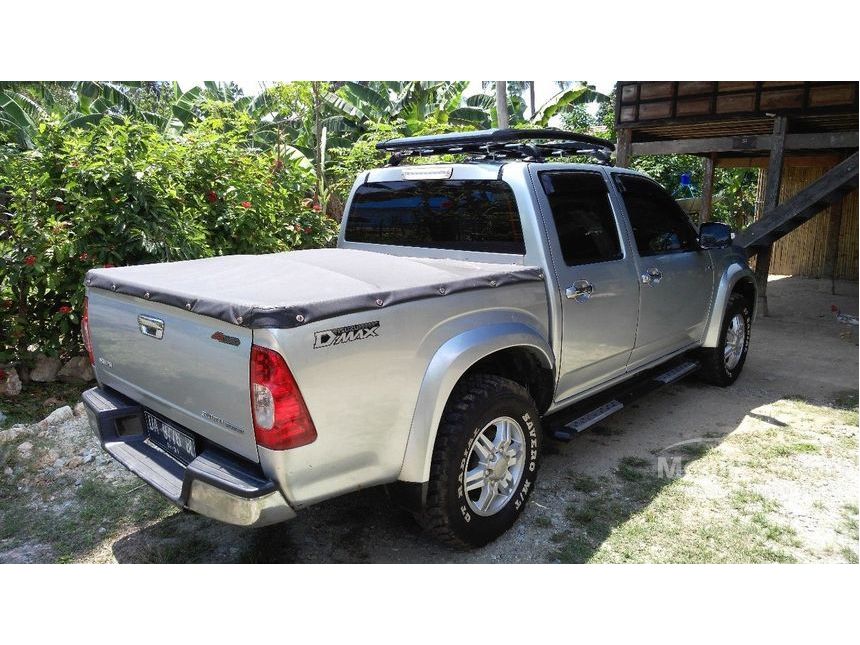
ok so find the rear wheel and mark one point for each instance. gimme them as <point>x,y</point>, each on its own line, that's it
<point>721,365</point>
<point>484,463</point>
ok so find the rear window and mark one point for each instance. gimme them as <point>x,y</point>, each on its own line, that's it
<point>462,215</point>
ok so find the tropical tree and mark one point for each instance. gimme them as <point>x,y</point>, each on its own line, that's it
<point>408,104</point>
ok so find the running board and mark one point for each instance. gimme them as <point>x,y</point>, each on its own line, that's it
<point>564,425</point>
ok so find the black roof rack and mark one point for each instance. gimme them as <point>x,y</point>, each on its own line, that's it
<point>500,144</point>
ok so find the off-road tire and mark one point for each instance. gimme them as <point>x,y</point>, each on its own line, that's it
<point>714,369</point>
<point>475,402</point>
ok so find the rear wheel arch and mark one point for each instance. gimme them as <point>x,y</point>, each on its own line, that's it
<point>504,348</point>
<point>521,365</point>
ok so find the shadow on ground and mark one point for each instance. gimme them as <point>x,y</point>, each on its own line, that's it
<point>587,487</point>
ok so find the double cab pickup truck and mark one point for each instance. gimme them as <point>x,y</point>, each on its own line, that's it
<point>469,309</point>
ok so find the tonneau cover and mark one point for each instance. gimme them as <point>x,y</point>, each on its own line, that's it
<point>283,290</point>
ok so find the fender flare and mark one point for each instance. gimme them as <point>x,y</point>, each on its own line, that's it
<point>733,274</point>
<point>449,363</point>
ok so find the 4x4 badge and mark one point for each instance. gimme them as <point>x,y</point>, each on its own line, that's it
<point>221,337</point>
<point>330,337</point>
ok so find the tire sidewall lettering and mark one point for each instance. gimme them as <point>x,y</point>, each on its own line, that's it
<point>526,483</point>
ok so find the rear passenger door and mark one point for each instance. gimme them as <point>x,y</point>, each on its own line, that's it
<point>676,276</point>
<point>599,289</point>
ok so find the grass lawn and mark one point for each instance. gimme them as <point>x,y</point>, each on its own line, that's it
<point>29,406</point>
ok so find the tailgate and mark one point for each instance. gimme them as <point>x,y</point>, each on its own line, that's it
<point>190,368</point>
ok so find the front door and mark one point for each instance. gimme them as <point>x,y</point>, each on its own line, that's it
<point>599,287</point>
<point>676,277</point>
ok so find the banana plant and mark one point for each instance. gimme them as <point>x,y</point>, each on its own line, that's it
<point>574,96</point>
<point>356,105</point>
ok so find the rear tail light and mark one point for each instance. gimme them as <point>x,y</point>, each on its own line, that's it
<point>281,419</point>
<point>85,331</point>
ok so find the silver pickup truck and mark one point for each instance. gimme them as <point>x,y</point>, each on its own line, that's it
<point>468,309</point>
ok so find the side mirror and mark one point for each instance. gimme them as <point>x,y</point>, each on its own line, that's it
<point>715,235</point>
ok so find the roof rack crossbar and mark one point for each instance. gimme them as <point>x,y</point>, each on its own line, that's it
<point>500,144</point>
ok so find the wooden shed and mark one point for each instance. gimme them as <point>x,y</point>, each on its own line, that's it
<point>803,135</point>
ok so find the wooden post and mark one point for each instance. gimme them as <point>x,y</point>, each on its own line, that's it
<point>707,189</point>
<point>622,148</point>
<point>771,199</point>
<point>831,255</point>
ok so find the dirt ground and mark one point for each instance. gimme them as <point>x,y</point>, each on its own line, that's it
<point>764,471</point>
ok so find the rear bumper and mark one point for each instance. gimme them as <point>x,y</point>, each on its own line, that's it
<point>215,484</point>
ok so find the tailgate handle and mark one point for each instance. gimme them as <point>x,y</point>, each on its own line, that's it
<point>152,327</point>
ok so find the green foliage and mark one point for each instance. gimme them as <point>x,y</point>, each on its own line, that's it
<point>667,170</point>
<point>736,194</point>
<point>124,192</point>
<point>734,188</point>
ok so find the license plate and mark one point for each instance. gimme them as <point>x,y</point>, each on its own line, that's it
<point>173,441</point>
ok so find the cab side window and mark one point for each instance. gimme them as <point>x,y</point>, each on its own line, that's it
<point>659,225</point>
<point>583,216</point>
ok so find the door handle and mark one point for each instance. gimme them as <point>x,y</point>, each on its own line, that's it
<point>652,276</point>
<point>580,291</point>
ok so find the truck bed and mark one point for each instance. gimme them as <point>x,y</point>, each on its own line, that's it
<point>285,290</point>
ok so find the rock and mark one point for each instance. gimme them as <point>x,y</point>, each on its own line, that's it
<point>51,402</point>
<point>88,458</point>
<point>10,383</point>
<point>77,370</point>
<point>8,471</point>
<point>45,370</point>
<point>59,463</point>
<point>80,410</point>
<point>74,462</point>
<point>12,433</point>
<point>25,450</point>
<point>58,416</point>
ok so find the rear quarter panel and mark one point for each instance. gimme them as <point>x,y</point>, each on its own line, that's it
<point>362,394</point>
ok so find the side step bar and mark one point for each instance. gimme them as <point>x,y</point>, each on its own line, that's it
<point>578,417</point>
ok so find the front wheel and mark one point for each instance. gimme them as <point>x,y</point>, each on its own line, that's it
<point>485,461</point>
<point>721,365</point>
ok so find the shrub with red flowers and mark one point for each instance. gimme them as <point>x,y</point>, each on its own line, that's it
<point>119,193</point>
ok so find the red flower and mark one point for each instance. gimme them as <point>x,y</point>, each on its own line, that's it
<point>317,208</point>
<point>84,256</point>
<point>212,196</point>
<point>308,230</point>
<point>108,265</point>
<point>30,260</point>
<point>59,206</point>
<point>65,309</point>
<point>246,204</point>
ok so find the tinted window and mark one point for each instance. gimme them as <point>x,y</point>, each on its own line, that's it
<point>583,216</point>
<point>659,224</point>
<point>466,215</point>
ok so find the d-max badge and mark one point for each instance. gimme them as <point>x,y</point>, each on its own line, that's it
<point>340,335</point>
